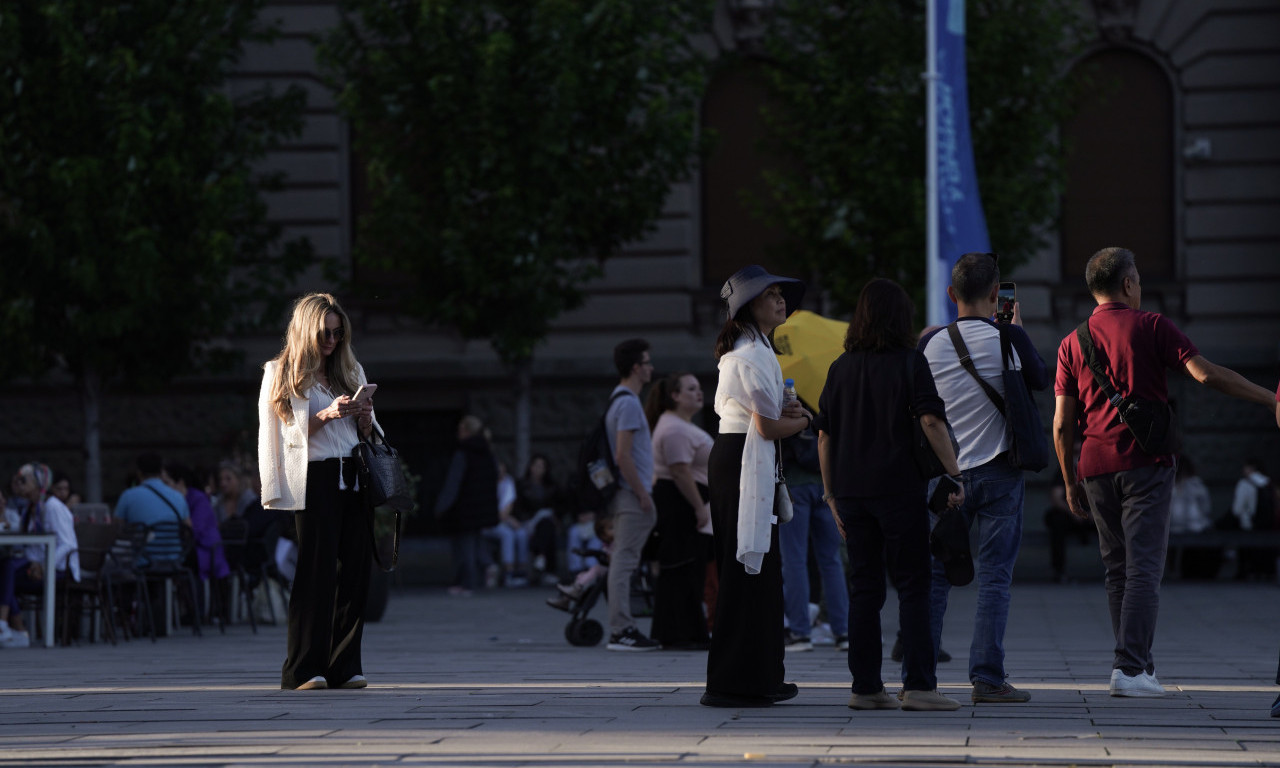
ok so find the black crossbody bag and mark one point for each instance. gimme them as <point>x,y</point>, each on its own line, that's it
<point>1151,422</point>
<point>1028,448</point>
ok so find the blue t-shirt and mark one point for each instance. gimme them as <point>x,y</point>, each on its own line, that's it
<point>140,504</point>
<point>627,414</point>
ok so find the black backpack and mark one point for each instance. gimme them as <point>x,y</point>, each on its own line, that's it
<point>597,472</point>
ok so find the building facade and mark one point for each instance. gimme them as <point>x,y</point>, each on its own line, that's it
<point>1178,158</point>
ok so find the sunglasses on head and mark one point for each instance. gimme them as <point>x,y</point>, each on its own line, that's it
<point>337,334</point>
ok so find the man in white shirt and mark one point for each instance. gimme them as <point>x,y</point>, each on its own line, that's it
<point>993,485</point>
<point>1254,506</point>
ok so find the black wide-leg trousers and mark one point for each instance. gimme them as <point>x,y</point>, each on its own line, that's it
<point>331,585</point>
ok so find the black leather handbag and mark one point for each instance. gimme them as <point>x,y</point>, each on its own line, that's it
<point>381,474</point>
<point>382,479</point>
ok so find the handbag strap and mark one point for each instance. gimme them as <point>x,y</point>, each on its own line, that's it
<point>373,540</point>
<point>966,362</point>
<point>1095,360</point>
<point>370,512</point>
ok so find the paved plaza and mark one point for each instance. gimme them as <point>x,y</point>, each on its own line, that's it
<point>490,681</point>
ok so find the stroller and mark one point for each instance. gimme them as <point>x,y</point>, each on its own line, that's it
<point>585,632</point>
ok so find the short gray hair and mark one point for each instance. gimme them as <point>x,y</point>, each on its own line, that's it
<point>1107,269</point>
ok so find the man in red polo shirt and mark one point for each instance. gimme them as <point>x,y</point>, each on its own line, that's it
<point>1128,490</point>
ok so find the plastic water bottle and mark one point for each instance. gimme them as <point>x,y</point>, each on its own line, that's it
<point>789,395</point>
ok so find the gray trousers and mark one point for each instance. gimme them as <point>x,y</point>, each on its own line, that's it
<point>631,528</point>
<point>1131,510</point>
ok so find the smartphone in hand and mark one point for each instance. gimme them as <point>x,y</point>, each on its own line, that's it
<point>1005,299</point>
<point>938,501</point>
<point>364,393</point>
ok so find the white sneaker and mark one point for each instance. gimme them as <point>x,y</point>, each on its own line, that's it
<point>16,640</point>
<point>1141,685</point>
<point>5,632</point>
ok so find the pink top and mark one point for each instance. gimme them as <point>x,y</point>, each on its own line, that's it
<point>676,441</point>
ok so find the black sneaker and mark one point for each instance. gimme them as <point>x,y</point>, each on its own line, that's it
<point>631,639</point>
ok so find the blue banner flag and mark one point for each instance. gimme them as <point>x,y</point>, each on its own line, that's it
<point>961,226</point>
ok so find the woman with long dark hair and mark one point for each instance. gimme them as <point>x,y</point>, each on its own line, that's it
<point>876,493</point>
<point>745,666</point>
<point>680,453</point>
<point>308,422</point>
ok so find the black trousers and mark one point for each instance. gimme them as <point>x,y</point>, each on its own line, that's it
<point>331,585</point>
<point>682,561</point>
<point>889,533</point>
<point>746,657</point>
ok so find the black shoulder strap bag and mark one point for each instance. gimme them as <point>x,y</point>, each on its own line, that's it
<point>1151,422</point>
<point>382,479</point>
<point>1028,448</point>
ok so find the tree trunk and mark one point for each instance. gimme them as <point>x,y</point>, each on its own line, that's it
<point>90,392</point>
<point>524,397</point>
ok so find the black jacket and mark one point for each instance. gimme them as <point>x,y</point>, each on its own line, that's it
<point>469,499</point>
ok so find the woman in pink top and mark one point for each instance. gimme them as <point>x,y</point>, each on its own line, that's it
<point>680,451</point>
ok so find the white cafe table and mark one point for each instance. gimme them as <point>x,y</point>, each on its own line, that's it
<point>50,542</point>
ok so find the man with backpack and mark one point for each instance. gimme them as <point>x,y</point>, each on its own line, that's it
<point>1112,382</point>
<point>631,507</point>
<point>967,360</point>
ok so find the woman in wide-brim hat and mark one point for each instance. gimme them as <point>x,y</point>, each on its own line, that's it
<point>745,663</point>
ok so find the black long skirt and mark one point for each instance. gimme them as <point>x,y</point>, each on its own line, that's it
<point>746,657</point>
<point>678,618</point>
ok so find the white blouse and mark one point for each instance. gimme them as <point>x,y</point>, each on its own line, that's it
<point>336,438</point>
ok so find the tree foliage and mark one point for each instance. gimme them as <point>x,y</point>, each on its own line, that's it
<point>131,220</point>
<point>847,116</point>
<point>511,145</point>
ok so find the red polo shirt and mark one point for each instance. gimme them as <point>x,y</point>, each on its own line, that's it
<point>1139,347</point>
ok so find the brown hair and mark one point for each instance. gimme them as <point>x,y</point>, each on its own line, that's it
<point>659,401</point>
<point>882,319</point>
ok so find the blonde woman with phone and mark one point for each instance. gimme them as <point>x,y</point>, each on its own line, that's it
<point>308,422</point>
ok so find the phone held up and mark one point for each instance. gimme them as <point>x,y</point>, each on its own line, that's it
<point>1004,302</point>
<point>364,392</point>
<point>938,501</point>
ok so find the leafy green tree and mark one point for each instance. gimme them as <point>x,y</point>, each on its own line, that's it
<point>512,145</point>
<point>847,120</point>
<point>131,221</point>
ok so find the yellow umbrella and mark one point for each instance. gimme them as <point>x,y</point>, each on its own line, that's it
<point>807,345</point>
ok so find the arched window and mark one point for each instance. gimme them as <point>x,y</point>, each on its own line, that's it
<point>1120,165</point>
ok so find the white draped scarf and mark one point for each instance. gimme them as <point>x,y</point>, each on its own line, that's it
<point>751,382</point>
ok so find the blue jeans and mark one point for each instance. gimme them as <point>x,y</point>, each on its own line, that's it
<point>993,495</point>
<point>513,544</point>
<point>814,525</point>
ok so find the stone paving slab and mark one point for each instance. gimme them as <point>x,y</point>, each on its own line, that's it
<point>490,681</point>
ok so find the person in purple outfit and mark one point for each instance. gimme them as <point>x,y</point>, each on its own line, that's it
<point>211,562</point>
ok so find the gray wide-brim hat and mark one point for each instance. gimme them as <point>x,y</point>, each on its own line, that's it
<point>749,282</point>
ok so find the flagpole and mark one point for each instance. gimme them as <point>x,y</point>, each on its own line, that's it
<point>934,285</point>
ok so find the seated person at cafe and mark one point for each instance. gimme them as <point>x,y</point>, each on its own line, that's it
<point>24,573</point>
<point>151,501</point>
